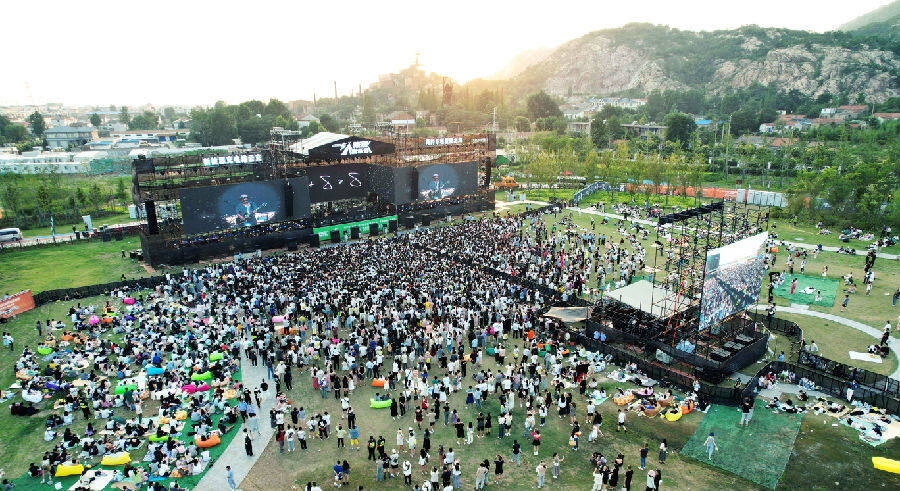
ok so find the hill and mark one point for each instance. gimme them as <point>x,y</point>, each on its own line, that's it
<point>643,57</point>
<point>521,62</point>
<point>884,14</point>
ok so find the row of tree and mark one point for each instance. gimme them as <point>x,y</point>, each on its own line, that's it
<point>251,121</point>
<point>30,200</point>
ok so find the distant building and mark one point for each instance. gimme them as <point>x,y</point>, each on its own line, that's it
<point>644,130</point>
<point>767,128</point>
<point>851,111</point>
<point>64,136</point>
<point>623,102</point>
<point>882,117</point>
<point>307,120</point>
<point>583,127</point>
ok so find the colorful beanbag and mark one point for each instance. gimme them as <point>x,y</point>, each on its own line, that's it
<point>215,356</point>
<point>121,458</point>
<point>202,376</point>
<point>120,389</point>
<point>212,441</point>
<point>379,404</point>
<point>151,370</point>
<point>69,470</point>
<point>377,382</point>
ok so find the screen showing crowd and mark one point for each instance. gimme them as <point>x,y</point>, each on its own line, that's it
<point>733,281</point>
<point>440,181</point>
<point>212,208</point>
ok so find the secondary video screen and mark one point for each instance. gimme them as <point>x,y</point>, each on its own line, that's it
<point>440,181</point>
<point>733,281</point>
<point>212,208</point>
<point>336,182</point>
<point>300,189</point>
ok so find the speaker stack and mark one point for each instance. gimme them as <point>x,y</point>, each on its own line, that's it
<point>354,232</point>
<point>335,236</point>
<point>374,229</point>
<point>315,241</point>
<point>392,226</point>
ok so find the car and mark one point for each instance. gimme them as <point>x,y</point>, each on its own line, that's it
<point>508,182</point>
<point>10,235</point>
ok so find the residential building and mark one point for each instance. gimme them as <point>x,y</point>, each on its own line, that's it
<point>644,130</point>
<point>307,120</point>
<point>583,127</point>
<point>65,136</point>
<point>882,117</point>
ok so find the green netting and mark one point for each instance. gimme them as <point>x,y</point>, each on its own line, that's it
<point>758,453</point>
<point>827,286</point>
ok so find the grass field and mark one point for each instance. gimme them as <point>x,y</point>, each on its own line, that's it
<point>67,265</point>
<point>116,219</point>
<point>826,286</point>
<point>806,233</point>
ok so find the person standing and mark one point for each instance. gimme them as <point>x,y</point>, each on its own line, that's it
<point>663,450</point>
<point>746,412</point>
<point>248,443</point>
<point>229,477</point>
<point>516,450</point>
<point>651,480</point>
<point>645,450</point>
<point>845,302</point>
<point>541,471</point>
<point>621,425</point>
<point>710,445</point>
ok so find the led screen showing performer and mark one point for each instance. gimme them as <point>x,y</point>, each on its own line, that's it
<point>211,208</point>
<point>733,280</point>
<point>445,180</point>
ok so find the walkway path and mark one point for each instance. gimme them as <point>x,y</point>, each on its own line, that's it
<point>235,455</point>
<point>893,343</point>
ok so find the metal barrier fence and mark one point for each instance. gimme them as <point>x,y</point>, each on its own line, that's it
<point>92,290</point>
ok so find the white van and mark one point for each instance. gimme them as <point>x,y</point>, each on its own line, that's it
<point>10,235</point>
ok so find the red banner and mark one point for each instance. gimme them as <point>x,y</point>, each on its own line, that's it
<point>16,304</point>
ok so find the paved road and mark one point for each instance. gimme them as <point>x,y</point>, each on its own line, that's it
<point>235,455</point>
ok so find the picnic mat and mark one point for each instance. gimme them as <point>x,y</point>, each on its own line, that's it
<point>827,286</point>
<point>856,355</point>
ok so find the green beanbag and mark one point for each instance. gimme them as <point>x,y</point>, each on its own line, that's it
<point>491,351</point>
<point>215,357</point>
<point>202,376</point>
<point>154,438</point>
<point>122,388</point>
<point>379,404</point>
<point>45,351</point>
<point>542,353</point>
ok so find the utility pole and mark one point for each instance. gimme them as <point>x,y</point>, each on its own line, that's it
<point>335,90</point>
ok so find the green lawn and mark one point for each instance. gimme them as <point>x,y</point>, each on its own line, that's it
<point>67,265</point>
<point>835,341</point>
<point>116,219</point>
<point>807,233</point>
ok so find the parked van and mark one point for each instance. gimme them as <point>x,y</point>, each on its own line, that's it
<point>10,235</point>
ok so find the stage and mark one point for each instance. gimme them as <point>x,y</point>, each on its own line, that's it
<point>649,298</point>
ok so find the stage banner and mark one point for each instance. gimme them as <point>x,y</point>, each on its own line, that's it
<point>16,304</point>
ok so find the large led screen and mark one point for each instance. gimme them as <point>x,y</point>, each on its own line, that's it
<point>445,180</point>
<point>211,208</point>
<point>733,280</point>
<point>334,182</point>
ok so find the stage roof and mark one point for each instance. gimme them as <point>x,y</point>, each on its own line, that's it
<point>568,315</point>
<point>649,298</point>
<point>317,140</point>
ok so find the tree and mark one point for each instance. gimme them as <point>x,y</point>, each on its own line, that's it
<point>311,129</point>
<point>541,105</point>
<point>37,124</point>
<point>679,127</point>
<point>522,124</point>
<point>124,117</point>
<point>95,120</point>
<point>121,194</point>
<point>330,123</point>
<point>14,133</point>
<point>214,126</point>
<point>599,134</point>
<point>148,120</point>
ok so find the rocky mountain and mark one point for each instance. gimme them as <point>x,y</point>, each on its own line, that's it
<point>872,23</point>
<point>642,58</point>
<point>521,62</point>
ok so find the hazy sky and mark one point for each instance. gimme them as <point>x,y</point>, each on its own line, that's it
<point>198,51</point>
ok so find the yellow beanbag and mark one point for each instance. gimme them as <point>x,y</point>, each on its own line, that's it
<point>181,415</point>
<point>670,416</point>
<point>117,459</point>
<point>229,394</point>
<point>888,465</point>
<point>622,400</point>
<point>69,470</point>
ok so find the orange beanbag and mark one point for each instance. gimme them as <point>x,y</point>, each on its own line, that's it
<point>377,382</point>
<point>212,441</point>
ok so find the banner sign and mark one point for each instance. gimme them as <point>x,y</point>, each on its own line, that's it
<point>350,147</point>
<point>16,304</point>
<point>324,233</point>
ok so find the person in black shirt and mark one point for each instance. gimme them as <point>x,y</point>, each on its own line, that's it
<point>628,475</point>
<point>498,468</point>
